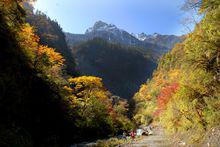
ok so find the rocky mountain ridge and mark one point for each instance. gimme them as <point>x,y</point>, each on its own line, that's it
<point>111,33</point>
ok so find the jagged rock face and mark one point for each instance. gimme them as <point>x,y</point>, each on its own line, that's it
<point>108,32</point>
<point>102,26</point>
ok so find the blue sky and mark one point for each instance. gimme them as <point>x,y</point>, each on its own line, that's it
<point>134,16</point>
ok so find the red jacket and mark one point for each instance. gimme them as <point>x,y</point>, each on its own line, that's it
<point>132,134</point>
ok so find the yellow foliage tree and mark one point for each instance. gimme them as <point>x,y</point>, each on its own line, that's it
<point>28,41</point>
<point>49,57</point>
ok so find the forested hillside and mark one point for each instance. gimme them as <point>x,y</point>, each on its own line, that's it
<point>184,93</point>
<point>38,106</point>
<point>122,68</point>
<point>51,34</point>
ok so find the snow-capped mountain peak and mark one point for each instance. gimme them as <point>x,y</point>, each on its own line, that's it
<point>101,26</point>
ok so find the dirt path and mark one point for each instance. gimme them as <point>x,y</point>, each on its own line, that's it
<point>156,140</point>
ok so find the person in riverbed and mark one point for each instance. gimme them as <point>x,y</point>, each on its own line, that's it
<point>132,134</point>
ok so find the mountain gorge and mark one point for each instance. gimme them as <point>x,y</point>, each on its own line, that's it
<point>123,60</point>
<point>96,89</point>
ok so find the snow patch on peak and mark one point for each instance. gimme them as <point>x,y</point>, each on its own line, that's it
<point>142,36</point>
<point>134,35</point>
<point>155,35</point>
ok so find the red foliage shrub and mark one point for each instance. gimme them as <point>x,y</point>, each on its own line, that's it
<point>163,98</point>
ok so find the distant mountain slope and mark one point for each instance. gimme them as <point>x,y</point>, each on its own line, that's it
<point>111,33</point>
<point>167,41</point>
<point>122,68</point>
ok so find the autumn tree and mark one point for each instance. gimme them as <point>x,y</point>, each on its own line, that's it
<point>95,108</point>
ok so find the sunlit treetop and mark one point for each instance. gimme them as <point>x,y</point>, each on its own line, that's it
<point>87,81</point>
<point>55,58</point>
